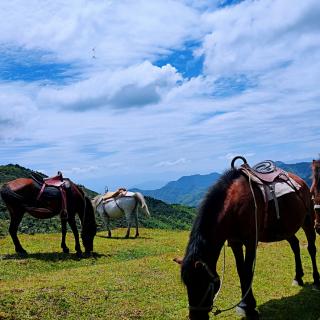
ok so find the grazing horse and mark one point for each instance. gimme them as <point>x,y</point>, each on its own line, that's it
<point>235,209</point>
<point>315,191</point>
<point>127,204</point>
<point>28,195</point>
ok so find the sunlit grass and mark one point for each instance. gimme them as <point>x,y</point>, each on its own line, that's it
<point>136,279</point>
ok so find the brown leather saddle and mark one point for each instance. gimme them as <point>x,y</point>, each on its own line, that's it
<point>267,174</point>
<point>58,182</point>
<point>266,171</point>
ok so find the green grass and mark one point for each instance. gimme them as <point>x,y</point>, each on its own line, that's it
<point>136,279</point>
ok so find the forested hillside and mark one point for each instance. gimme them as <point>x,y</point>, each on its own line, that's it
<point>163,215</point>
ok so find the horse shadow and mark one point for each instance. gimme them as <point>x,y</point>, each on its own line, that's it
<point>304,305</point>
<point>53,256</point>
<point>123,238</point>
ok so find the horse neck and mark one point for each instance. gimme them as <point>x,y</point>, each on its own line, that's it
<point>208,232</point>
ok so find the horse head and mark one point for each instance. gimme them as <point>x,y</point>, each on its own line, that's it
<point>202,286</point>
<point>89,226</point>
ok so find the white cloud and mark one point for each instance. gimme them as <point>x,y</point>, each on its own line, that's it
<point>171,163</point>
<point>183,126</point>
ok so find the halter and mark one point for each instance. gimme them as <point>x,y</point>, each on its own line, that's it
<point>209,291</point>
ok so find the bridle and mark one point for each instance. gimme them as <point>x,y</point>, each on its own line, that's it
<point>208,293</point>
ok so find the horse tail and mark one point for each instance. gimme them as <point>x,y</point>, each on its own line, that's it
<point>142,203</point>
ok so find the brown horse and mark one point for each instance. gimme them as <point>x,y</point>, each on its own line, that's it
<point>22,195</point>
<point>315,191</point>
<point>234,209</point>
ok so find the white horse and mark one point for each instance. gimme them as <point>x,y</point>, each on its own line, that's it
<point>114,208</point>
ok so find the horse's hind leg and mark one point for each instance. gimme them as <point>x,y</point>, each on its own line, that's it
<point>244,267</point>
<point>16,217</point>
<point>128,218</point>
<point>308,229</point>
<point>64,247</point>
<point>136,222</point>
<point>73,226</point>
<point>294,244</point>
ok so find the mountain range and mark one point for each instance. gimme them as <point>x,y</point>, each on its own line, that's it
<point>189,190</point>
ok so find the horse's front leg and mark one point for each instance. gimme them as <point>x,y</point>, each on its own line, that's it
<point>16,217</point>
<point>73,226</point>
<point>294,244</point>
<point>108,227</point>
<point>64,247</point>
<point>309,230</point>
<point>244,268</point>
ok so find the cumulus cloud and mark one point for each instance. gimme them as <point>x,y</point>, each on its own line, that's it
<point>135,86</point>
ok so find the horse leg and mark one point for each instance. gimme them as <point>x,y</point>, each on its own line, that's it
<point>128,218</point>
<point>108,227</point>
<point>247,305</point>
<point>294,244</point>
<point>310,233</point>
<point>106,221</point>
<point>15,221</point>
<point>73,226</point>
<point>64,247</point>
<point>137,222</point>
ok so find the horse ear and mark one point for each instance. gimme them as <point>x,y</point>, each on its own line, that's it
<point>178,260</point>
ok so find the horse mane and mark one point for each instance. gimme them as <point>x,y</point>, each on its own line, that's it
<point>315,173</point>
<point>206,219</point>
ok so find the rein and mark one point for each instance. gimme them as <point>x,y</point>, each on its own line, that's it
<point>210,290</point>
<point>218,311</point>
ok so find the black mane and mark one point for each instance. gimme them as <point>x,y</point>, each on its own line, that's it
<point>205,222</point>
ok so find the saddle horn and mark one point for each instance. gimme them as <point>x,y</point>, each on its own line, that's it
<point>236,158</point>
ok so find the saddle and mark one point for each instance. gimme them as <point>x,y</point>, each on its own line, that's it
<point>266,171</point>
<point>58,182</point>
<point>267,176</point>
<point>121,192</point>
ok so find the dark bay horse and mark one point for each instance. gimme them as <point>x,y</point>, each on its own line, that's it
<point>234,209</point>
<point>22,195</point>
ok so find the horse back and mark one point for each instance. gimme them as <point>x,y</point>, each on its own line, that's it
<point>19,184</point>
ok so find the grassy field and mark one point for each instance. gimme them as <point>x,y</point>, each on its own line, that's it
<point>136,279</point>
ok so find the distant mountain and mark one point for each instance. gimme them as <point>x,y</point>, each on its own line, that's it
<point>301,169</point>
<point>163,215</point>
<point>149,185</point>
<point>189,190</point>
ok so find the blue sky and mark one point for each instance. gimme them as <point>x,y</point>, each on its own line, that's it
<point>119,93</point>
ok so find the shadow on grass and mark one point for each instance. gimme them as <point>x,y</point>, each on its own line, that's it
<point>53,256</point>
<point>123,238</point>
<point>304,305</point>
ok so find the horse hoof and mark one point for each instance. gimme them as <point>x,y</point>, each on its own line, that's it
<point>79,254</point>
<point>249,315</point>
<point>22,252</point>
<point>65,250</point>
<point>297,283</point>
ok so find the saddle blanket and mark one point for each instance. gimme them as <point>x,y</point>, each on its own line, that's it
<point>280,189</point>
